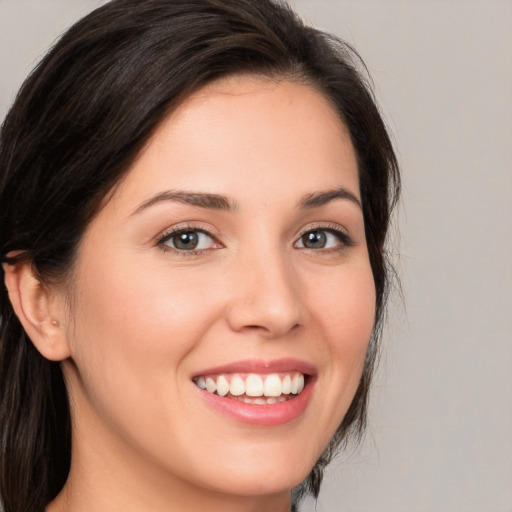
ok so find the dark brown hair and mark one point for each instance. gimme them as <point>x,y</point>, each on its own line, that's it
<point>78,123</point>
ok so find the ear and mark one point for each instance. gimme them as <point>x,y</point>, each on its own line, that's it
<point>40,310</point>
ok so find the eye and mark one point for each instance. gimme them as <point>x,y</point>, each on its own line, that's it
<point>323,239</point>
<point>189,239</point>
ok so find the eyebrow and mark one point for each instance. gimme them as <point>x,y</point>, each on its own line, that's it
<point>223,203</point>
<point>201,199</point>
<point>321,198</point>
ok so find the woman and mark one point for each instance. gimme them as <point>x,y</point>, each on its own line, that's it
<point>195,199</point>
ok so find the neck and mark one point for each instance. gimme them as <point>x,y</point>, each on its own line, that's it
<point>73,499</point>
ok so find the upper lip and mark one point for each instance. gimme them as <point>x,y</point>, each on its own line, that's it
<point>261,366</point>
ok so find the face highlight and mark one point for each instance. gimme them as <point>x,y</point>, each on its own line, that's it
<point>223,298</point>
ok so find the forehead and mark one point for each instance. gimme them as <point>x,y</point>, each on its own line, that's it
<point>248,133</point>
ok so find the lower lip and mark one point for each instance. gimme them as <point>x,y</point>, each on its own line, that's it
<point>261,415</point>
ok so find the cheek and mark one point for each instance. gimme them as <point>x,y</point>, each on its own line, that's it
<point>345,314</point>
<point>133,326</point>
<point>131,338</point>
<point>146,318</point>
<point>345,307</point>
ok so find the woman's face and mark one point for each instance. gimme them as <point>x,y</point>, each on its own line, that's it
<point>232,256</point>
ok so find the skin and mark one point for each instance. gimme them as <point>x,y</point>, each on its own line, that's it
<point>139,318</point>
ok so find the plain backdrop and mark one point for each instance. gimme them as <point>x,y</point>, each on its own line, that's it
<point>440,434</point>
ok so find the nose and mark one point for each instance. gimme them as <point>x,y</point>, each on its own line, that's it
<point>267,298</point>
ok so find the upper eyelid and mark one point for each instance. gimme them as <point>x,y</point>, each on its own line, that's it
<point>327,226</point>
<point>182,228</point>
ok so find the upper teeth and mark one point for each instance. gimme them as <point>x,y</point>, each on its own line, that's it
<point>252,384</point>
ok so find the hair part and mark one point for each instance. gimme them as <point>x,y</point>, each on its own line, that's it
<point>76,126</point>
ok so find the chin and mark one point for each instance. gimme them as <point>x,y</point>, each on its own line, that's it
<point>265,473</point>
<point>268,484</point>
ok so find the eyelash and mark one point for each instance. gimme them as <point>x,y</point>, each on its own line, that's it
<point>168,235</point>
<point>344,239</point>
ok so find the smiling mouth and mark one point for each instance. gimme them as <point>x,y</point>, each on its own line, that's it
<point>254,388</point>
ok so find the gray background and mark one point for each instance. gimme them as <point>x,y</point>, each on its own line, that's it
<point>440,436</point>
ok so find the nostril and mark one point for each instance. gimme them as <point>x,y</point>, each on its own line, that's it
<point>268,329</point>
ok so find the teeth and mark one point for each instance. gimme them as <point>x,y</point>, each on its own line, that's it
<point>237,386</point>
<point>201,383</point>
<point>273,385</point>
<point>255,389</point>
<point>287,385</point>
<point>261,401</point>
<point>222,386</point>
<point>211,387</point>
<point>297,384</point>
<point>301,383</point>
<point>254,385</point>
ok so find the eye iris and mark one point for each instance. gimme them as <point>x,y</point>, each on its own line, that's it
<point>186,240</point>
<point>314,240</point>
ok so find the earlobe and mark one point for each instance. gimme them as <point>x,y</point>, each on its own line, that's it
<point>38,309</point>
